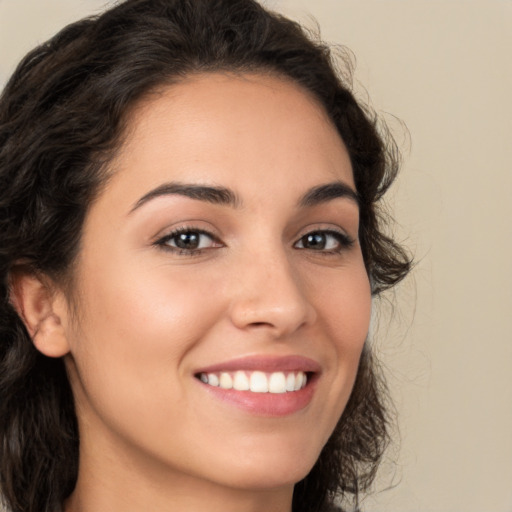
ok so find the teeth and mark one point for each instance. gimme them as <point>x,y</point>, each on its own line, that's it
<point>213,380</point>
<point>290,382</point>
<point>277,383</point>
<point>241,382</point>
<point>300,381</point>
<point>225,381</point>
<point>256,382</point>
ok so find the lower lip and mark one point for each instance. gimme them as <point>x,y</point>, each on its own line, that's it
<point>265,404</point>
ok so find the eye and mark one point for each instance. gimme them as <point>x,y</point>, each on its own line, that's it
<point>324,240</point>
<point>188,241</point>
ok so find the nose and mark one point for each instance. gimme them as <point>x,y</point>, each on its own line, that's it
<point>269,294</point>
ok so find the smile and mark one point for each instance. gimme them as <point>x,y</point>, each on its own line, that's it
<point>262,385</point>
<point>257,381</point>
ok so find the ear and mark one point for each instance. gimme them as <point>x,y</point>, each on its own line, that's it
<point>42,309</point>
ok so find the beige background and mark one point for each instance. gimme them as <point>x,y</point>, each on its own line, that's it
<point>444,68</point>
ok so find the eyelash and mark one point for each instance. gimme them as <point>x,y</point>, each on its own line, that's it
<point>344,241</point>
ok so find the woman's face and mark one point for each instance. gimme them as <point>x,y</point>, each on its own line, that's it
<point>223,251</point>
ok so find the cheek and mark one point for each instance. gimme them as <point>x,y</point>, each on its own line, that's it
<point>345,310</point>
<point>135,332</point>
<point>142,302</point>
<point>132,352</point>
<point>344,307</point>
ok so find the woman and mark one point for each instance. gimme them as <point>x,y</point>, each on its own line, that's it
<point>190,240</point>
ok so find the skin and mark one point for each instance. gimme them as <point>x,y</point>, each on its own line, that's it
<point>144,317</point>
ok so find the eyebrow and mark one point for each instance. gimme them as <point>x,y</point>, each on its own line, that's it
<point>226,197</point>
<point>328,192</point>
<point>207,193</point>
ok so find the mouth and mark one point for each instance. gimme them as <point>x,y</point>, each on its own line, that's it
<point>265,386</point>
<point>257,381</point>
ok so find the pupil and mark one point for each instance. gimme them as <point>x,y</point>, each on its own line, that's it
<point>187,240</point>
<point>315,241</point>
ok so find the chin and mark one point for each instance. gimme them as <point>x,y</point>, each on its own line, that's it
<point>274,475</point>
<point>268,467</point>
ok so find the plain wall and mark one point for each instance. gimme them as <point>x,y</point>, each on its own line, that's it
<point>443,68</point>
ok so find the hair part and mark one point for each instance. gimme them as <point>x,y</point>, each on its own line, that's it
<point>62,118</point>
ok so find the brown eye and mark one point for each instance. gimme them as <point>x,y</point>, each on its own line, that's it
<point>329,241</point>
<point>189,240</point>
<point>317,241</point>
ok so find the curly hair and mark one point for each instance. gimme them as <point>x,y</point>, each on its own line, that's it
<point>62,117</point>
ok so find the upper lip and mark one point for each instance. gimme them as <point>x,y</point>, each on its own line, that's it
<point>265,364</point>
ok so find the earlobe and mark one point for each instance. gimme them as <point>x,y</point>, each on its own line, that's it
<point>39,308</point>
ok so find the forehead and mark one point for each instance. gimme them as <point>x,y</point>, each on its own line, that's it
<point>244,129</point>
